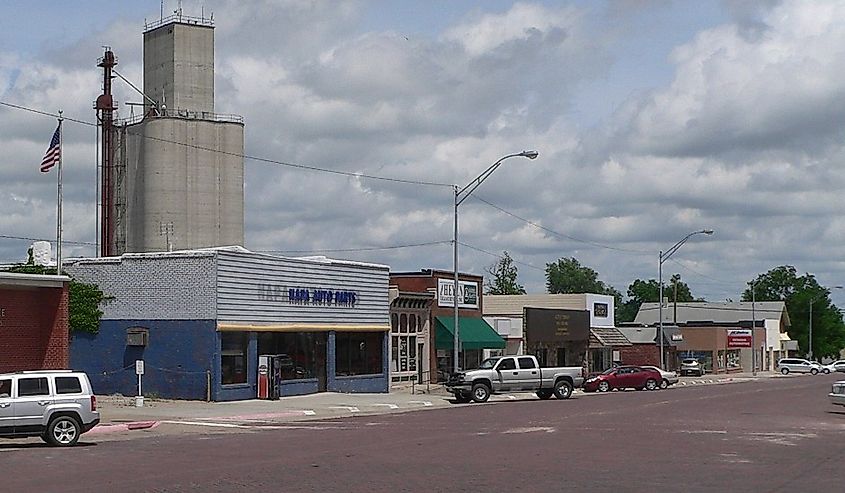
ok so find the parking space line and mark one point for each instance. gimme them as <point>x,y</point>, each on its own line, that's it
<point>351,409</point>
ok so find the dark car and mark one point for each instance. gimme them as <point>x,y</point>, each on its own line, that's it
<point>624,377</point>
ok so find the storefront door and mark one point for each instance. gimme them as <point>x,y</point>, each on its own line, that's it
<point>320,360</point>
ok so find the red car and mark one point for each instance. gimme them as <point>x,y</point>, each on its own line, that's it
<point>624,377</point>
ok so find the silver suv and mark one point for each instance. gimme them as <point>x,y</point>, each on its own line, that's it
<point>56,405</point>
<point>798,365</point>
<point>691,366</point>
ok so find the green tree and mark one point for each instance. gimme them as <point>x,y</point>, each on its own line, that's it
<point>568,276</point>
<point>503,274</point>
<point>798,292</point>
<point>83,300</point>
<point>641,291</point>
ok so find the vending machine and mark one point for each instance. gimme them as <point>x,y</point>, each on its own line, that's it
<point>269,376</point>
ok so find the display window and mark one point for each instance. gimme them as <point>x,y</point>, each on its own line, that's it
<point>297,350</point>
<point>359,353</point>
<point>233,357</point>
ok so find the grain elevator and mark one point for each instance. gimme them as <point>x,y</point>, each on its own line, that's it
<point>172,177</point>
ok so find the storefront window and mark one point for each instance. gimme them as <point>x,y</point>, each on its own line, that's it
<point>733,356</point>
<point>403,323</point>
<point>403,354</point>
<point>412,323</point>
<point>233,356</point>
<point>359,353</point>
<point>704,357</point>
<point>394,323</point>
<point>296,351</point>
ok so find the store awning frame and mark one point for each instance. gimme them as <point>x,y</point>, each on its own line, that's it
<point>475,333</point>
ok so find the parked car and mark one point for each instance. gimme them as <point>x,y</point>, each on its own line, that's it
<point>798,365</point>
<point>56,405</point>
<point>691,366</point>
<point>514,374</point>
<point>624,377</point>
<point>667,377</point>
<point>837,393</point>
<point>838,365</point>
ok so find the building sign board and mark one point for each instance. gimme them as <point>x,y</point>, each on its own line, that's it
<point>555,325</point>
<point>307,296</point>
<point>739,338</point>
<point>600,310</point>
<point>467,293</point>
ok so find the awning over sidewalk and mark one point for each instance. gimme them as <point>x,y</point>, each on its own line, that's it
<point>605,337</point>
<point>475,333</point>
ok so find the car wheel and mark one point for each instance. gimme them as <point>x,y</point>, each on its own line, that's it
<point>462,398</point>
<point>825,371</point>
<point>563,389</point>
<point>544,394</point>
<point>785,371</point>
<point>651,384</point>
<point>63,431</point>
<point>604,386</point>
<point>480,392</point>
<point>664,384</point>
<point>814,372</point>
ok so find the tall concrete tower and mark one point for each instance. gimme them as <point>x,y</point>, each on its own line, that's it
<point>179,167</point>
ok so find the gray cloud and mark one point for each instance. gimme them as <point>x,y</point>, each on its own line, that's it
<point>743,139</point>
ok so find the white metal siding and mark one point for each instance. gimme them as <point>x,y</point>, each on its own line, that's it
<point>242,278</point>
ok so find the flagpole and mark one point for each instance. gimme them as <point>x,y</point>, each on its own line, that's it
<point>59,206</point>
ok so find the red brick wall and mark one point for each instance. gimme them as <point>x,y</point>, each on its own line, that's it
<point>33,329</point>
<point>640,354</point>
<point>422,283</point>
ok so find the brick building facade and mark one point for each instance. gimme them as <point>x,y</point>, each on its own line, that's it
<point>33,322</point>
<point>476,335</point>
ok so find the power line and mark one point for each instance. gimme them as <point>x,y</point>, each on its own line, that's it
<point>248,157</point>
<point>501,257</point>
<point>720,281</point>
<point>10,237</point>
<point>362,249</point>
<point>333,250</point>
<point>562,235</point>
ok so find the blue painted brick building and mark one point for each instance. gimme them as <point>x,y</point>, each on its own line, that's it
<point>200,319</point>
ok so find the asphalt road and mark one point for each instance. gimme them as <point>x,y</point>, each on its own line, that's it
<point>777,434</point>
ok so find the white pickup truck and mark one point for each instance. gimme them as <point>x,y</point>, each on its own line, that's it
<point>514,374</point>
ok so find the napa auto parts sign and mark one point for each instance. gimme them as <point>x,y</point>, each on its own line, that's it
<point>739,338</point>
<point>467,293</point>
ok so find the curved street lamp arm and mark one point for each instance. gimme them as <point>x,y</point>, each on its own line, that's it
<point>478,180</point>
<point>462,193</point>
<point>671,251</point>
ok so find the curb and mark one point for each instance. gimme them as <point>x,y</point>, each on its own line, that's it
<point>134,425</point>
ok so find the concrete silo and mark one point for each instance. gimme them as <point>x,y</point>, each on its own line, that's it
<point>178,177</point>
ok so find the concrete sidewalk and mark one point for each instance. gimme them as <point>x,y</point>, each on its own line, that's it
<point>119,410</point>
<point>119,413</point>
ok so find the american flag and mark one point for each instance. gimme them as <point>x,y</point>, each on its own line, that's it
<point>54,152</point>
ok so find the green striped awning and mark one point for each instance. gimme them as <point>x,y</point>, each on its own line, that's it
<point>475,333</point>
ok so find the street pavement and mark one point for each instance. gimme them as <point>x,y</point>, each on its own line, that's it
<point>764,434</point>
<point>119,414</point>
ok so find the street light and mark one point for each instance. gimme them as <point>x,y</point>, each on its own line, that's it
<point>810,352</point>
<point>662,258</point>
<point>460,195</point>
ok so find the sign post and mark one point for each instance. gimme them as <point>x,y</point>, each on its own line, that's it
<point>139,370</point>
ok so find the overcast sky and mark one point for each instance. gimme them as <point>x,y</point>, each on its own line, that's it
<point>652,119</point>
